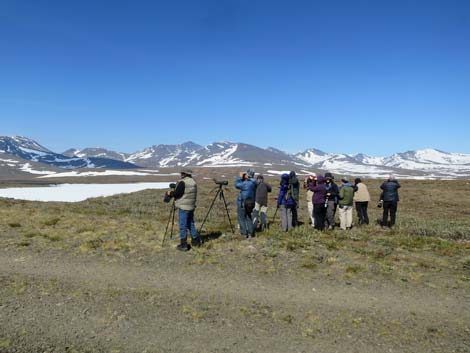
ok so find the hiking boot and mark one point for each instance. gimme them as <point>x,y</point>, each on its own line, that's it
<point>196,242</point>
<point>183,246</point>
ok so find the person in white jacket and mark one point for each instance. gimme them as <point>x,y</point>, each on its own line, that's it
<point>361,199</point>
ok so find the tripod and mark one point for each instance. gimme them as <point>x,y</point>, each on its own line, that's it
<point>171,217</point>
<point>220,194</point>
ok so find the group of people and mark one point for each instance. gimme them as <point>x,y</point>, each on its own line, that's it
<point>324,199</point>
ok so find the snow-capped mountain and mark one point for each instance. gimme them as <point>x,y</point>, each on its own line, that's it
<point>164,155</point>
<point>240,154</point>
<point>30,150</point>
<point>426,162</point>
<point>96,152</point>
<point>23,155</point>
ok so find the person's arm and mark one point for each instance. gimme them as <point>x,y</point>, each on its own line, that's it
<point>179,190</point>
<point>239,183</point>
<point>398,184</point>
<point>382,186</point>
<point>269,187</point>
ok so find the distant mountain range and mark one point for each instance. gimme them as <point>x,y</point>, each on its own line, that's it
<point>426,163</point>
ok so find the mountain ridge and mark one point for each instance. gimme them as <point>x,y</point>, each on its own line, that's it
<point>425,162</point>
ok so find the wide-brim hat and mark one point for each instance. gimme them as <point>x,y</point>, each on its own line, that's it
<point>186,171</point>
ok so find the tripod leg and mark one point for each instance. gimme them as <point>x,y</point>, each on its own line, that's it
<point>172,222</point>
<point>170,217</point>
<point>207,214</point>
<point>222,196</point>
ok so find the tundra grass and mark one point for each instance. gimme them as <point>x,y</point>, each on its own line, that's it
<point>432,234</point>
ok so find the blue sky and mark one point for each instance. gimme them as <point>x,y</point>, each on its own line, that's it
<point>342,76</point>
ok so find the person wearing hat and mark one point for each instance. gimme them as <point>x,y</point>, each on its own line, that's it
<point>390,200</point>
<point>246,202</point>
<point>185,195</point>
<point>318,200</point>
<point>346,196</point>
<point>332,192</point>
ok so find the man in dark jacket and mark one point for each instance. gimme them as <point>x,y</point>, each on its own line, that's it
<point>332,192</point>
<point>246,202</point>
<point>185,195</point>
<point>261,202</point>
<point>294,190</point>
<point>390,200</point>
<point>319,197</point>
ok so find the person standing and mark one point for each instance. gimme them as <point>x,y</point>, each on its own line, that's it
<point>261,202</point>
<point>246,202</point>
<point>319,198</point>
<point>185,195</point>
<point>390,200</point>
<point>361,199</point>
<point>294,189</point>
<point>346,196</point>
<point>332,191</point>
<point>307,181</point>
<point>285,203</point>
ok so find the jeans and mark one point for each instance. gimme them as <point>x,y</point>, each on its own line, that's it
<point>389,207</point>
<point>186,222</point>
<point>319,213</point>
<point>361,208</point>
<point>245,221</point>
<point>286,218</point>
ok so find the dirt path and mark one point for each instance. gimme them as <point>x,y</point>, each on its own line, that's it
<point>54,302</point>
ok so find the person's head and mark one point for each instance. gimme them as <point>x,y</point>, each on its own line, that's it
<point>344,181</point>
<point>320,179</point>
<point>250,173</point>
<point>284,178</point>
<point>357,181</point>
<point>292,174</point>
<point>186,172</point>
<point>259,179</point>
<point>391,177</point>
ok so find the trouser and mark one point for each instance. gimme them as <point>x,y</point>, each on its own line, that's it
<point>330,213</point>
<point>345,216</point>
<point>286,218</point>
<point>245,221</point>
<point>361,208</point>
<point>319,213</point>
<point>310,212</point>
<point>260,212</point>
<point>389,207</point>
<point>186,222</point>
<point>295,216</point>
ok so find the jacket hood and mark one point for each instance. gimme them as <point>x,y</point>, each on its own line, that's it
<point>320,179</point>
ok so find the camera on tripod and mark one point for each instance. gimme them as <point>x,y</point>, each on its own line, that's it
<point>221,182</point>
<point>168,195</point>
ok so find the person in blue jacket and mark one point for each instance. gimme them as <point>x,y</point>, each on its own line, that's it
<point>285,203</point>
<point>390,200</point>
<point>246,202</point>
